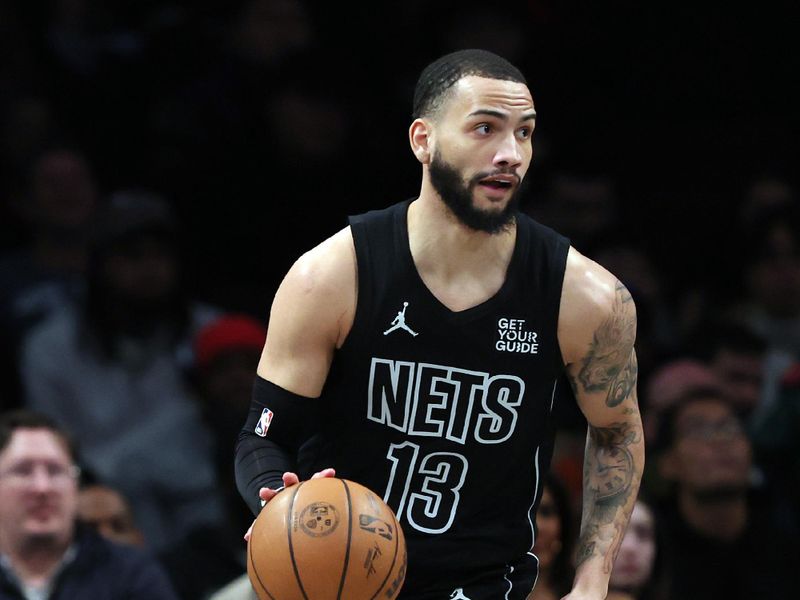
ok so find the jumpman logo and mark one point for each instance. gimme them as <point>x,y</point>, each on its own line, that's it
<point>400,322</point>
<point>458,594</point>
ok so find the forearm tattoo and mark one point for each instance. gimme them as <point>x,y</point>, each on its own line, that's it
<point>610,365</point>
<point>609,474</point>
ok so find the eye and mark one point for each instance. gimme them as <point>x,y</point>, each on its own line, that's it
<point>525,132</point>
<point>484,128</point>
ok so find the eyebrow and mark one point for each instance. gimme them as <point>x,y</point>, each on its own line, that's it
<point>531,116</point>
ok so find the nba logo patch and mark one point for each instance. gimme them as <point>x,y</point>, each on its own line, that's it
<point>263,422</point>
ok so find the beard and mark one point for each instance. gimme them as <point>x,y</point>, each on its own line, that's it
<point>457,195</point>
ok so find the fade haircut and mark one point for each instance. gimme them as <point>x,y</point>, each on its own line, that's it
<point>437,79</point>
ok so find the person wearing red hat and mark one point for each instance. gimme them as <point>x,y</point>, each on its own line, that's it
<point>226,351</point>
<point>227,334</point>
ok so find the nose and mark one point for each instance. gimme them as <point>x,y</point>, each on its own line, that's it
<point>509,153</point>
<point>41,480</point>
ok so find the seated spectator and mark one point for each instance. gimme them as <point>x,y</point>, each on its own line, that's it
<point>44,552</point>
<point>776,444</point>
<point>554,542</point>
<point>770,302</point>
<point>46,271</point>
<point>672,381</point>
<point>668,385</point>
<point>725,541</point>
<point>226,354</point>
<point>108,512</point>
<point>114,371</point>
<point>737,355</point>
<point>640,571</point>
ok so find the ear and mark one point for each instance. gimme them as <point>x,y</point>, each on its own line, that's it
<point>419,138</point>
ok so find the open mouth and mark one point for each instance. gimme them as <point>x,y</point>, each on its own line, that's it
<point>501,182</point>
<point>497,185</point>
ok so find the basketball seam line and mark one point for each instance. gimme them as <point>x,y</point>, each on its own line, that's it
<point>349,538</point>
<point>291,546</point>
<point>252,562</point>
<point>394,558</point>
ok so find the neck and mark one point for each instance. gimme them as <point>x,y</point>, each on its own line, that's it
<point>720,516</point>
<point>461,267</point>
<point>435,232</point>
<point>35,562</point>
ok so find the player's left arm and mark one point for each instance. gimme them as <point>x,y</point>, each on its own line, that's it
<point>597,331</point>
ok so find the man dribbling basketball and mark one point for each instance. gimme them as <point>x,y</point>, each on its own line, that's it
<point>446,411</point>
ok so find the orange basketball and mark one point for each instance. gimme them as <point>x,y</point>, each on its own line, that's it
<point>326,539</point>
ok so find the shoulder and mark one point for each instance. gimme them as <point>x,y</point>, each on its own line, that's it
<point>320,289</point>
<point>122,567</point>
<point>593,302</point>
<point>328,267</point>
<point>56,336</point>
<point>105,555</point>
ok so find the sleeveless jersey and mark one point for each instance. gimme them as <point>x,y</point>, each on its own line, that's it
<point>447,414</point>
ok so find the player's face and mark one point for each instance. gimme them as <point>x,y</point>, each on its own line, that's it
<point>481,150</point>
<point>38,489</point>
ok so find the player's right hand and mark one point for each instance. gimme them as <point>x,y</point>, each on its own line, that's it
<point>289,478</point>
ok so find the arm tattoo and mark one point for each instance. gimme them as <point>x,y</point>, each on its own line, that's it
<point>608,483</point>
<point>611,363</point>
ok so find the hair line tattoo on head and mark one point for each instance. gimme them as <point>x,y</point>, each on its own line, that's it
<point>437,79</point>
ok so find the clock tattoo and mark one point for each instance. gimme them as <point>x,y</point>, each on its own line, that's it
<point>612,469</point>
<point>612,472</point>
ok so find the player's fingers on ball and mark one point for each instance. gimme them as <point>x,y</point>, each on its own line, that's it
<point>329,472</point>
<point>290,479</point>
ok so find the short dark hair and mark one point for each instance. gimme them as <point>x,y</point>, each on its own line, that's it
<point>28,419</point>
<point>439,76</point>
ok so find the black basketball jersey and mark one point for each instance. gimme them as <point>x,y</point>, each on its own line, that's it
<point>447,414</point>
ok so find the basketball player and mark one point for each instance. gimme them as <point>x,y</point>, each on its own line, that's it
<point>422,345</point>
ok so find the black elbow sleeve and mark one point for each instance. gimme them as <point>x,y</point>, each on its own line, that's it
<point>268,443</point>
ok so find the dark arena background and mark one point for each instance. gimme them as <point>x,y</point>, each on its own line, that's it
<point>266,123</point>
<point>666,149</point>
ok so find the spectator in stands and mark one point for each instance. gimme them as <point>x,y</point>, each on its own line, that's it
<point>44,553</point>
<point>226,353</point>
<point>47,270</point>
<point>103,508</point>
<point>114,371</point>
<point>725,541</point>
<point>640,570</point>
<point>555,539</point>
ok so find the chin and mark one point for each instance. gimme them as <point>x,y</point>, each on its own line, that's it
<point>52,528</point>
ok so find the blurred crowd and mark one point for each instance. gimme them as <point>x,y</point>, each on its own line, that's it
<point>162,164</point>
